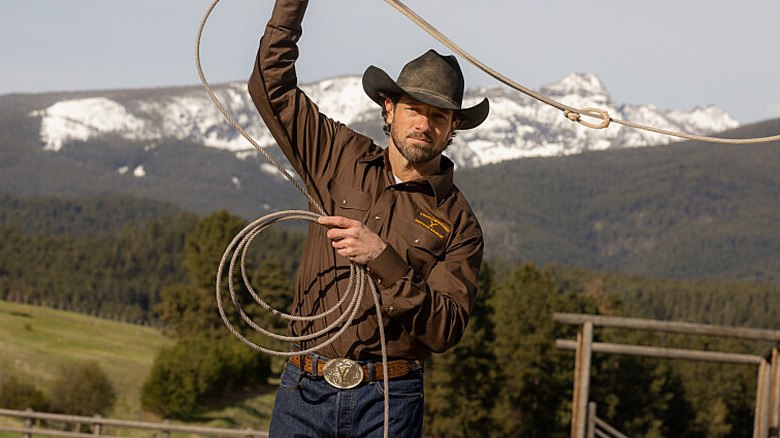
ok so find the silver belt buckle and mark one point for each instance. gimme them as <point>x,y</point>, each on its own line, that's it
<point>343,373</point>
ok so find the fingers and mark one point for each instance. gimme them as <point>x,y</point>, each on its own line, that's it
<point>345,244</point>
<point>340,227</point>
<point>351,239</point>
<point>337,221</point>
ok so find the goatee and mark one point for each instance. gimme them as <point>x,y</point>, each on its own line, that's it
<point>414,152</point>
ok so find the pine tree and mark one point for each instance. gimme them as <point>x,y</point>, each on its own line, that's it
<point>529,384</point>
<point>206,245</point>
<point>460,389</point>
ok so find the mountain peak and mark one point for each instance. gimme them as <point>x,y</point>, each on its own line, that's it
<point>582,84</point>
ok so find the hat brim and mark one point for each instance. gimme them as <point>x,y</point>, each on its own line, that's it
<point>377,84</point>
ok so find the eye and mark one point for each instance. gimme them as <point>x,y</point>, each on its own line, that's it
<point>441,117</point>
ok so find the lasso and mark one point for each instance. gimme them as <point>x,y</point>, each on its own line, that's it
<point>240,245</point>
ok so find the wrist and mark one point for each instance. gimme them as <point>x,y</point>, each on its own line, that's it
<point>387,267</point>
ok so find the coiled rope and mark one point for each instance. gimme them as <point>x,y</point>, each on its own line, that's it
<point>242,241</point>
<point>570,113</point>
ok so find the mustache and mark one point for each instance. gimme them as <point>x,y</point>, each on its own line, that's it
<point>421,136</point>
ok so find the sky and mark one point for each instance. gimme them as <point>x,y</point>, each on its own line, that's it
<point>669,53</point>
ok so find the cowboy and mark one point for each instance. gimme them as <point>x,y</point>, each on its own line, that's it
<point>394,210</point>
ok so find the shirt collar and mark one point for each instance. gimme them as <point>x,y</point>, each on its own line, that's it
<point>440,182</point>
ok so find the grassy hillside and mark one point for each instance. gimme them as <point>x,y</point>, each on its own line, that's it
<point>35,341</point>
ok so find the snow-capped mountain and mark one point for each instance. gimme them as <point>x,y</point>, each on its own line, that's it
<point>518,125</point>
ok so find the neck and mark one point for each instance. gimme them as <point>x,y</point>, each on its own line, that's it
<point>406,170</point>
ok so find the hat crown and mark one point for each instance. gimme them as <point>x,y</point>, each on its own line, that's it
<point>432,79</point>
<point>434,75</point>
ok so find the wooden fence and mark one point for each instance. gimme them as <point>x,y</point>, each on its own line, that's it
<point>767,412</point>
<point>35,424</point>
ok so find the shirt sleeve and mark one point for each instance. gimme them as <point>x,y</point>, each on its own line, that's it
<point>432,307</point>
<point>309,139</point>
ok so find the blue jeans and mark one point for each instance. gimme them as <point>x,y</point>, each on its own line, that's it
<point>308,406</point>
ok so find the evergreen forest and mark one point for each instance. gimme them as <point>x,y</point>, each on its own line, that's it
<point>148,262</point>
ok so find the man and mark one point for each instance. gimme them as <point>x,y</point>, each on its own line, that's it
<point>396,211</point>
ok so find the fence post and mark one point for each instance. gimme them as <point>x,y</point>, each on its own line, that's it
<point>29,422</point>
<point>761,422</point>
<point>97,425</point>
<point>581,379</point>
<point>591,429</point>
<point>166,433</point>
<point>774,402</point>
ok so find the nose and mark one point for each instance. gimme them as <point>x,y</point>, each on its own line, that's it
<point>423,123</point>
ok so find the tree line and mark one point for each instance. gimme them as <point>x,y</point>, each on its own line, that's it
<point>687,210</point>
<point>68,255</point>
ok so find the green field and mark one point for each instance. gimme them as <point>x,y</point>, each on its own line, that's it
<point>35,341</point>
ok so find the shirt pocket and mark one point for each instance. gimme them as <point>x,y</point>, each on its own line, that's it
<point>348,201</point>
<point>422,247</point>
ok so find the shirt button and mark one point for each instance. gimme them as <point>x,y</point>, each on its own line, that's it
<point>377,217</point>
<point>390,308</point>
<point>343,201</point>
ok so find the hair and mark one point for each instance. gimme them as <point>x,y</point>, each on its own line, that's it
<point>395,98</point>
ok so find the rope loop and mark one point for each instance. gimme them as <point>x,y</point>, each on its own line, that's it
<point>576,116</point>
<point>570,113</point>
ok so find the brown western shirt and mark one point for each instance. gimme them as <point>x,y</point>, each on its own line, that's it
<point>426,276</point>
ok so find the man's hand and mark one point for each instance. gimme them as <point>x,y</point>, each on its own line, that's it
<point>352,239</point>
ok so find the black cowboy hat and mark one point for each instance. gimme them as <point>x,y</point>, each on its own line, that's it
<point>432,79</point>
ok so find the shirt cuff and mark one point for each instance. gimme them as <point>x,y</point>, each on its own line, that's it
<point>288,13</point>
<point>387,267</point>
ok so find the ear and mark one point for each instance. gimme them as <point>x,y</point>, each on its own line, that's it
<point>389,107</point>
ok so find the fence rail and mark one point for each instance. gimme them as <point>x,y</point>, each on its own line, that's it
<point>663,352</point>
<point>686,328</point>
<point>97,424</point>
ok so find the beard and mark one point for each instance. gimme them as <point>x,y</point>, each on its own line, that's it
<point>415,152</point>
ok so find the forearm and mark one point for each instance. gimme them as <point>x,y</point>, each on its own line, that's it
<point>273,84</point>
<point>312,142</point>
<point>433,309</point>
<point>274,74</point>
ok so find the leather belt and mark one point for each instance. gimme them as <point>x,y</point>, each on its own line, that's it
<point>395,368</point>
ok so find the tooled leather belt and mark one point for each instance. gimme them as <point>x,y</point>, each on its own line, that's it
<point>346,373</point>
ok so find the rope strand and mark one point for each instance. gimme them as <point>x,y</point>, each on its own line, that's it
<point>571,113</point>
<point>240,245</point>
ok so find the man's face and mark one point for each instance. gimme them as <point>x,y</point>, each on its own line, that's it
<point>419,131</point>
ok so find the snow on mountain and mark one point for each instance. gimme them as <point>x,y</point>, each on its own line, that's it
<point>518,125</point>
<point>82,119</point>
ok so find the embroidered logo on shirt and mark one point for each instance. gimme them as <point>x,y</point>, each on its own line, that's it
<point>432,224</point>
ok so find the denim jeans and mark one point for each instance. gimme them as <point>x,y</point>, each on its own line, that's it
<point>308,406</point>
